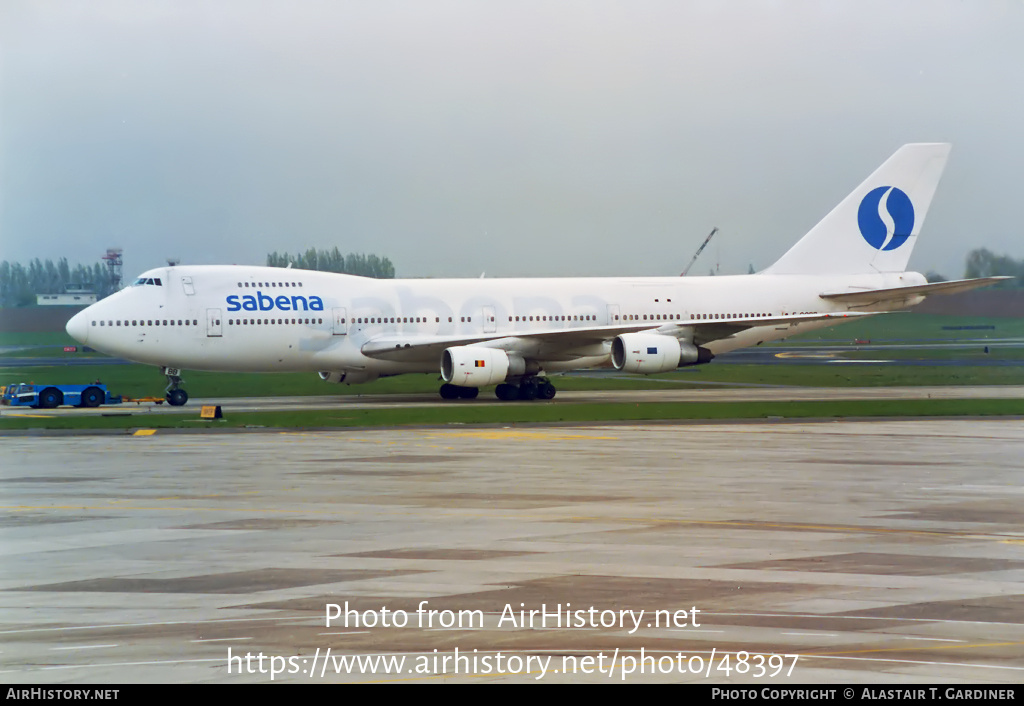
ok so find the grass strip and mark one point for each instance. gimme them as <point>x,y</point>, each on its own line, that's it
<point>468,413</point>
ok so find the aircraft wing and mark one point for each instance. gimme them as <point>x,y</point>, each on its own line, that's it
<point>868,297</point>
<point>566,344</point>
<point>413,348</point>
<point>705,332</point>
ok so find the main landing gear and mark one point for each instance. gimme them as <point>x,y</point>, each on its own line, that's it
<point>532,388</point>
<point>174,394</point>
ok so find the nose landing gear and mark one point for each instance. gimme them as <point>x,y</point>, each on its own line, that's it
<point>174,394</point>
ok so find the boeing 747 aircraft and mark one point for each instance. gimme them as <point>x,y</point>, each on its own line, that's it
<point>512,333</point>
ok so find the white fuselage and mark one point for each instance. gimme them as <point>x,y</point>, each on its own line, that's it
<point>239,318</point>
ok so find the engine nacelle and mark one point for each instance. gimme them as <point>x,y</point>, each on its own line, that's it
<point>473,366</point>
<point>653,353</point>
<point>349,377</point>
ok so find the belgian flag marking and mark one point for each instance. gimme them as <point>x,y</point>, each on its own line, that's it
<point>479,364</point>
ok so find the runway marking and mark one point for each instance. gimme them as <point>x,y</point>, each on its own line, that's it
<point>84,647</point>
<point>222,639</point>
<point>144,432</point>
<point>692,630</point>
<point>795,354</point>
<point>931,639</point>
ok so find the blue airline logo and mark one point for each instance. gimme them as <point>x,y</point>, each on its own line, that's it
<point>886,218</point>
<point>263,302</point>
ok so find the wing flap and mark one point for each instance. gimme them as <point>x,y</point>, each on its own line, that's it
<point>561,343</point>
<point>413,348</point>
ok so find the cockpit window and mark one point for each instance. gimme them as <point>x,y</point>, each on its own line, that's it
<point>147,280</point>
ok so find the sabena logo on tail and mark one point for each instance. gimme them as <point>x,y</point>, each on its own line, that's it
<point>886,218</point>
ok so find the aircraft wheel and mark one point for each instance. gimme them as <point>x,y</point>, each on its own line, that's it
<point>449,392</point>
<point>469,393</point>
<point>506,392</point>
<point>50,398</point>
<point>528,391</point>
<point>176,398</point>
<point>92,397</point>
<point>547,391</point>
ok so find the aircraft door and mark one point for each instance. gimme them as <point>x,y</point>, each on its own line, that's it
<point>340,321</point>
<point>613,314</point>
<point>213,323</point>
<point>490,325</point>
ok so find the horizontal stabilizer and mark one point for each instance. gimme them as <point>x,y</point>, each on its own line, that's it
<point>871,296</point>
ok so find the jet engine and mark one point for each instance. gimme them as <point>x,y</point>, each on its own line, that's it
<point>349,377</point>
<point>653,353</point>
<point>473,366</point>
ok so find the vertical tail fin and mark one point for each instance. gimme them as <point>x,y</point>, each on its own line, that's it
<point>874,229</point>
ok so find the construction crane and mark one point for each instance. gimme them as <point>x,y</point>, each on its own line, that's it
<point>699,251</point>
<point>114,264</point>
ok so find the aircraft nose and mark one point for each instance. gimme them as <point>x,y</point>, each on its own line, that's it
<point>78,327</point>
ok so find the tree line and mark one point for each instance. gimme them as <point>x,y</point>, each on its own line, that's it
<point>19,284</point>
<point>985,263</point>
<point>334,261</point>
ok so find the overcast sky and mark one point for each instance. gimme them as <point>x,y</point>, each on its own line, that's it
<point>500,136</point>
